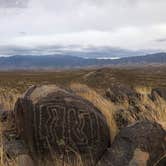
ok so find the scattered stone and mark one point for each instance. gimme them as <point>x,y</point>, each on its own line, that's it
<point>121,93</point>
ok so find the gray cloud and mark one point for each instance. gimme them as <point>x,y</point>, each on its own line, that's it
<point>13,3</point>
<point>161,40</point>
<point>129,24</point>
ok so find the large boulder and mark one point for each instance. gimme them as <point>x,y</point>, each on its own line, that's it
<point>53,121</point>
<point>140,144</point>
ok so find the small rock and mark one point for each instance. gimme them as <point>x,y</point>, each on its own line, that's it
<point>158,91</point>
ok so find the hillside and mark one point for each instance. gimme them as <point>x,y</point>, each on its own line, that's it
<point>133,101</point>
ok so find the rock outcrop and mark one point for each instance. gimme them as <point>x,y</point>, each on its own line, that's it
<point>142,143</point>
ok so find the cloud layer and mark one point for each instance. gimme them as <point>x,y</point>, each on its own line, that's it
<point>128,24</point>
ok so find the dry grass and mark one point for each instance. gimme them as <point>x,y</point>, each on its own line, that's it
<point>144,90</point>
<point>8,98</point>
<point>158,107</point>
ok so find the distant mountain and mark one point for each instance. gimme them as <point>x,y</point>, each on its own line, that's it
<point>106,52</point>
<point>45,61</point>
<point>67,61</point>
<point>72,50</point>
<point>146,59</point>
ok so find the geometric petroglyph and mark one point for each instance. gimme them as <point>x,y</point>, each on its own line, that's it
<point>61,120</point>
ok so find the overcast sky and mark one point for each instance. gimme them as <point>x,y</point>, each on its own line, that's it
<point>127,24</point>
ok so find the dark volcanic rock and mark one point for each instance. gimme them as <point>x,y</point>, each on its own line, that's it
<point>162,162</point>
<point>122,93</point>
<point>144,140</point>
<point>54,120</point>
<point>3,115</point>
<point>158,91</point>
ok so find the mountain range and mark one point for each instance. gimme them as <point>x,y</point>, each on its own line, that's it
<point>67,61</point>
